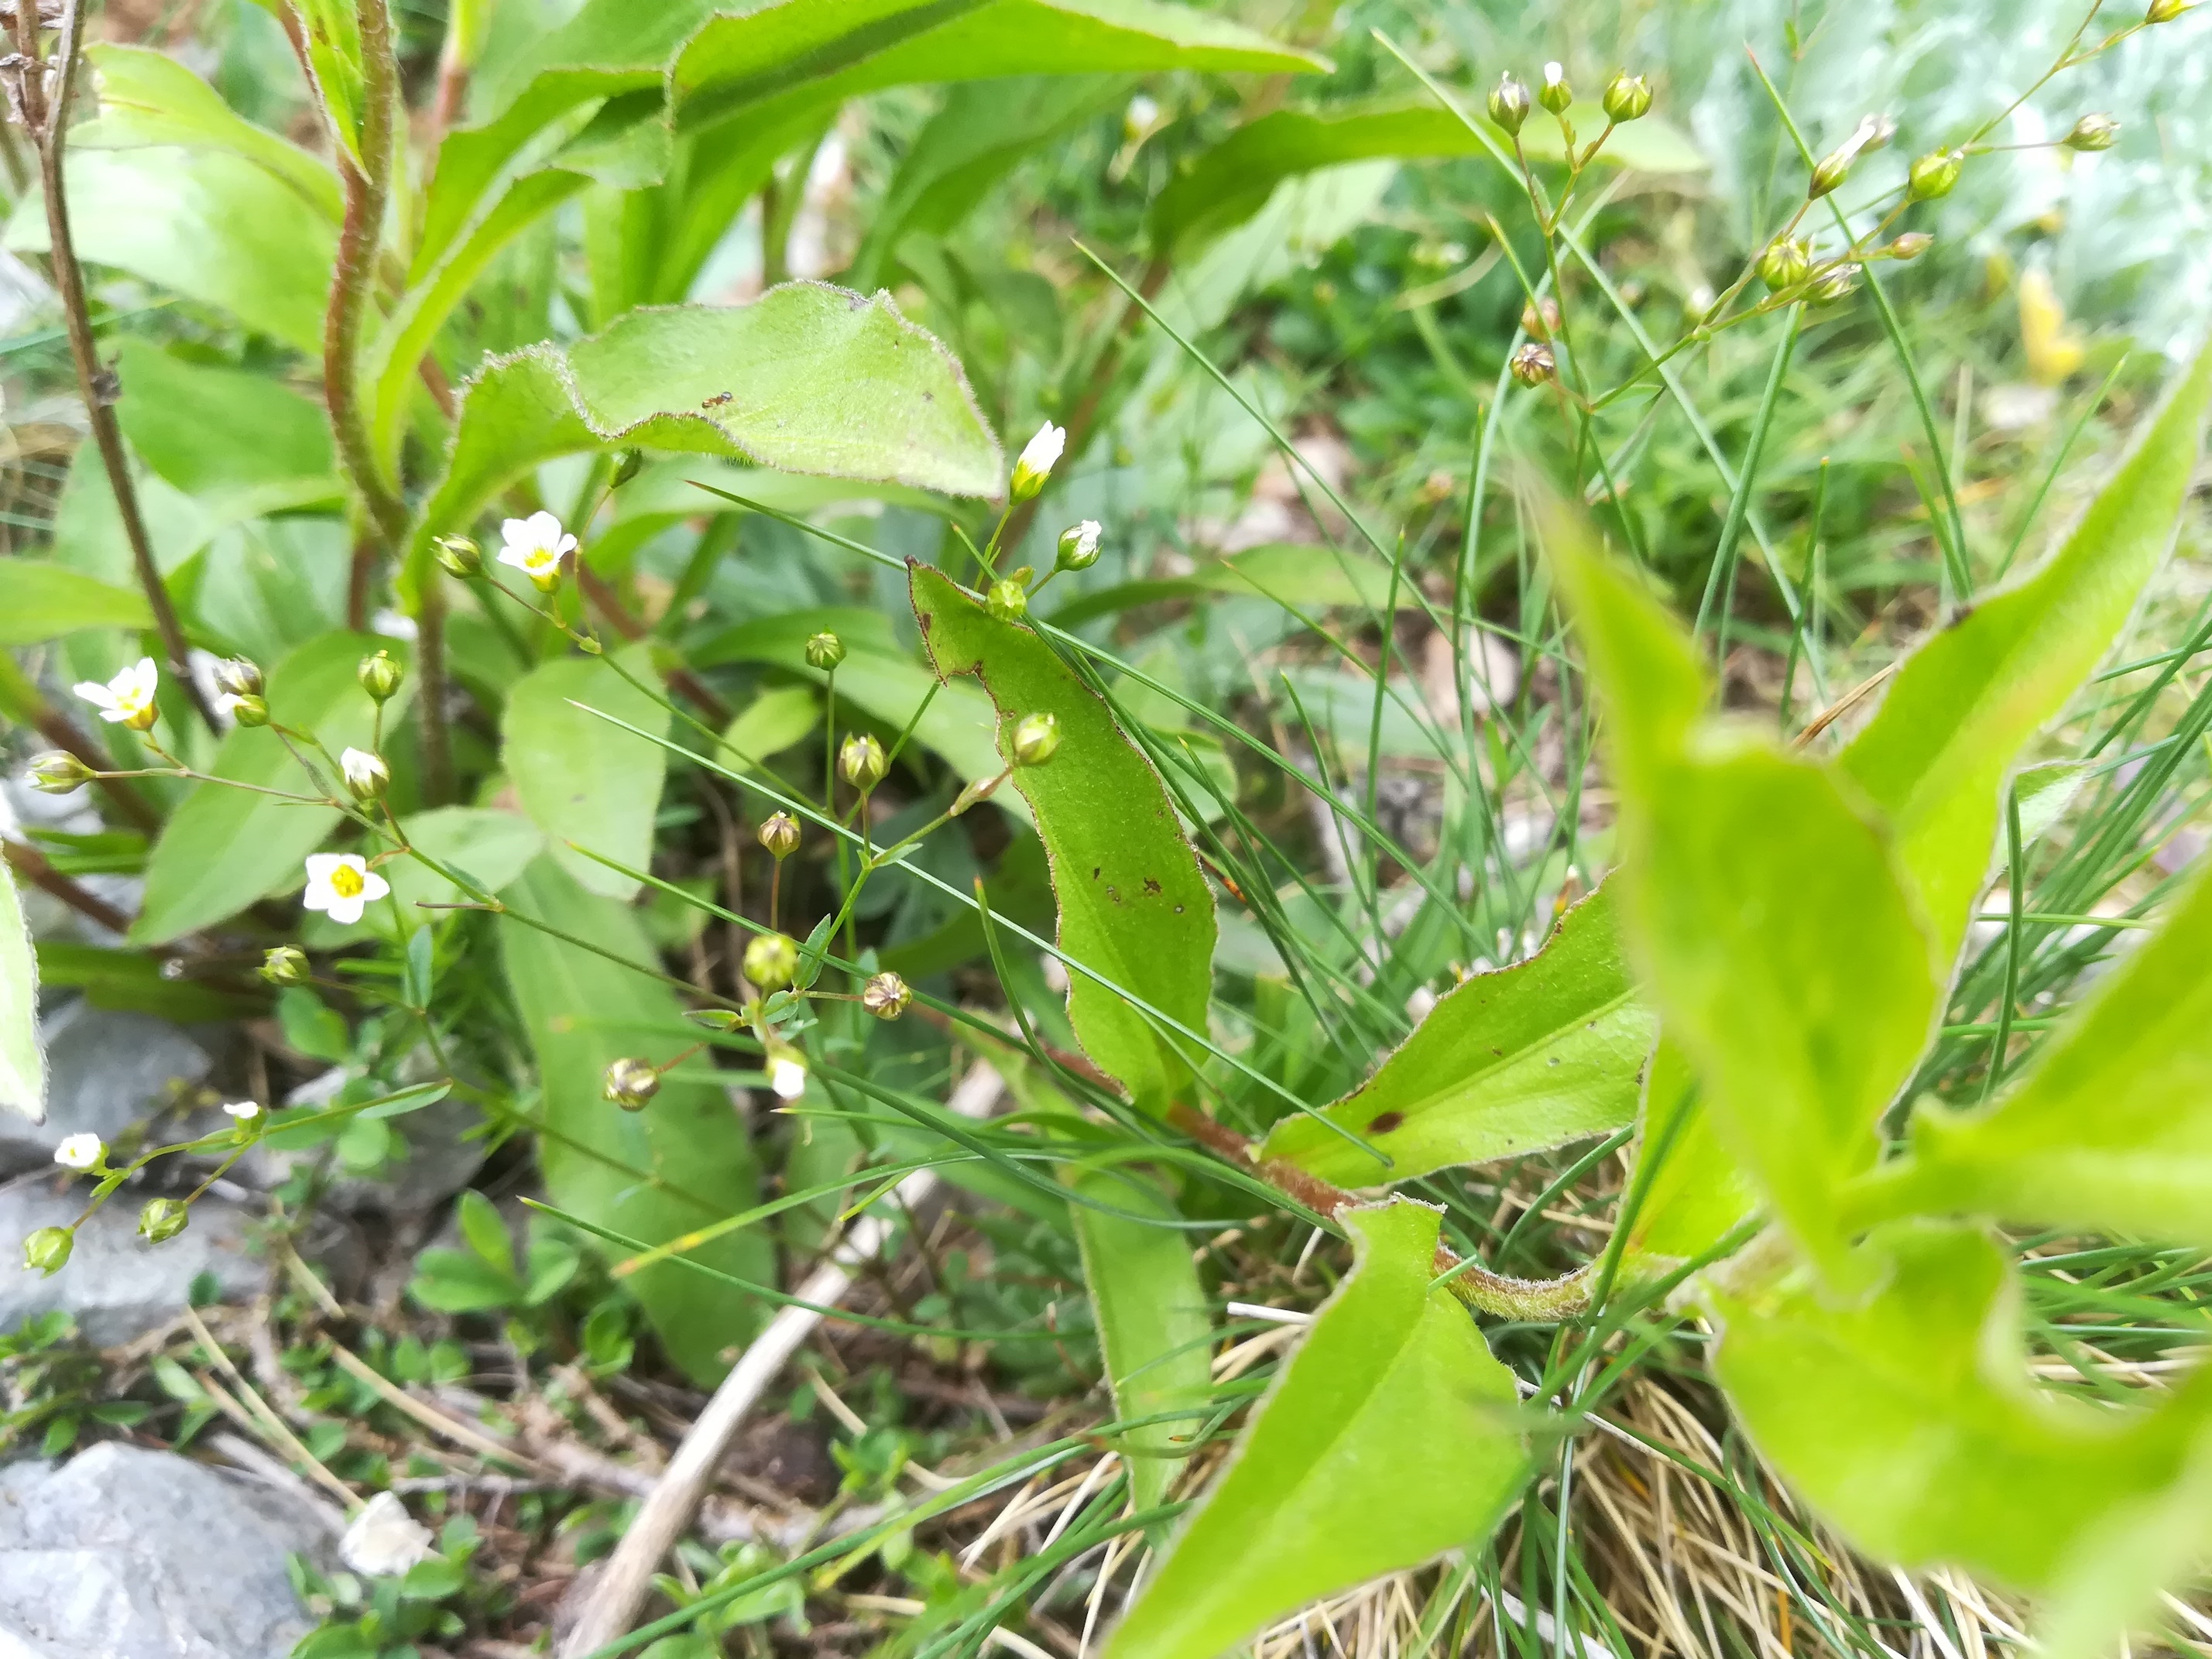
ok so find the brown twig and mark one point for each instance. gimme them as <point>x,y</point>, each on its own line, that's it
<point>47,123</point>
<point>36,868</point>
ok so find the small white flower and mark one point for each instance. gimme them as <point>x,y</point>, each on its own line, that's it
<point>1553,74</point>
<point>384,1540</point>
<point>1041,454</point>
<point>367,777</point>
<point>244,1110</point>
<point>786,1075</point>
<point>1086,539</point>
<point>343,884</point>
<point>128,699</point>
<point>79,1152</point>
<point>534,546</point>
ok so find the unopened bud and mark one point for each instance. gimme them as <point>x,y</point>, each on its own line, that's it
<point>631,464</point>
<point>1933,174</point>
<point>1035,462</point>
<point>1831,285</point>
<point>1078,546</point>
<point>1912,245</point>
<point>367,777</point>
<point>771,960</point>
<point>716,1019</point>
<point>47,1251</point>
<point>631,1082</point>
<point>1007,599</point>
<point>380,675</point>
<point>284,964</point>
<point>1540,318</point>
<point>978,789</point>
<point>1785,263</point>
<point>456,556</point>
<point>1627,97</point>
<point>861,760</point>
<point>1036,739</point>
<point>780,834</point>
<point>1509,104</point>
<point>163,1219</point>
<point>1555,94</point>
<point>1831,172</point>
<point>886,996</point>
<point>1534,364</point>
<point>239,676</point>
<point>57,773</point>
<point>248,710</point>
<point>2093,132</point>
<point>825,651</point>
<point>2165,11</point>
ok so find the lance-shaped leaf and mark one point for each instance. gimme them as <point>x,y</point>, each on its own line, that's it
<point>1154,1327</point>
<point>808,378</point>
<point>1908,1420</point>
<point>1135,914</point>
<point>225,848</point>
<point>40,600</point>
<point>1232,182</point>
<point>1935,757</point>
<point>1390,1436</point>
<point>583,779</point>
<point>241,445</point>
<point>1530,1057</point>
<point>1783,952</point>
<point>22,1062</point>
<point>679,1164</point>
<point>2111,1129</point>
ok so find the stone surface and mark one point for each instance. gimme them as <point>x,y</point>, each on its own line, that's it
<point>116,1286</point>
<point>104,1070</point>
<point>127,1554</point>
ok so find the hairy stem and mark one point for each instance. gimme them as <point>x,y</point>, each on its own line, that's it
<point>47,122</point>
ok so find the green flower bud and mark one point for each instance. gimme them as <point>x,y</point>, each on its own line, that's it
<point>631,464</point>
<point>56,773</point>
<point>249,710</point>
<point>1912,245</point>
<point>1078,546</point>
<point>861,760</point>
<point>1007,599</point>
<point>780,834</point>
<point>825,651</point>
<point>1509,104</point>
<point>2165,11</point>
<point>886,996</point>
<point>284,964</point>
<point>716,1019</point>
<point>458,556</point>
<point>631,1082</point>
<point>771,960</point>
<point>1555,94</point>
<point>380,675</point>
<point>1833,170</point>
<point>1534,364</point>
<point>47,1251</point>
<point>977,789</point>
<point>1627,97</point>
<point>1786,262</point>
<point>1832,286</point>
<point>1036,739</point>
<point>2093,132</point>
<point>239,676</point>
<point>1933,174</point>
<point>163,1219</point>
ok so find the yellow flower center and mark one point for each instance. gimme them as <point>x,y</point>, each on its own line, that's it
<point>346,882</point>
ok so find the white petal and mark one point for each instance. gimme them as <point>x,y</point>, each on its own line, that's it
<point>373,886</point>
<point>517,554</point>
<point>318,896</point>
<point>544,529</point>
<point>568,545</point>
<point>345,911</point>
<point>143,678</point>
<point>95,693</point>
<point>511,531</point>
<point>320,865</point>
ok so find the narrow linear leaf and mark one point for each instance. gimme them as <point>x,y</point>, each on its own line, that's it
<point>1528,1058</point>
<point>22,1062</point>
<point>1293,576</point>
<point>583,779</point>
<point>1390,1436</point>
<point>1134,907</point>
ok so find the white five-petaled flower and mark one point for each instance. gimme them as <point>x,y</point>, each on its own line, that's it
<point>81,1151</point>
<point>244,1110</point>
<point>1035,462</point>
<point>786,1075</point>
<point>343,884</point>
<point>128,699</point>
<point>383,1539</point>
<point>534,546</point>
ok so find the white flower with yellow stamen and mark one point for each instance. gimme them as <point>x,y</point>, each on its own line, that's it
<point>534,546</point>
<point>80,1152</point>
<point>343,884</point>
<point>128,699</point>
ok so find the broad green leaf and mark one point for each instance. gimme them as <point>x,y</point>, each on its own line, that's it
<point>41,601</point>
<point>1934,758</point>
<point>489,846</point>
<point>583,779</point>
<point>772,722</point>
<point>1300,578</point>
<point>682,1163</point>
<point>1233,180</point>
<point>206,224</point>
<point>148,98</point>
<point>1154,1327</point>
<point>270,585</point>
<point>22,1063</point>
<point>1391,1436</point>
<point>1528,1058</point>
<point>2111,1129</point>
<point>1134,909</point>
<point>243,444</point>
<point>1764,906</point>
<point>1696,1193</point>
<point>225,848</point>
<point>878,677</point>
<point>808,378</point>
<point>1909,1420</point>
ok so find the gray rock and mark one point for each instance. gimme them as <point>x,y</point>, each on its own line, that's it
<point>436,1157</point>
<point>105,1069</point>
<point>126,1553</point>
<point>116,1286</point>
